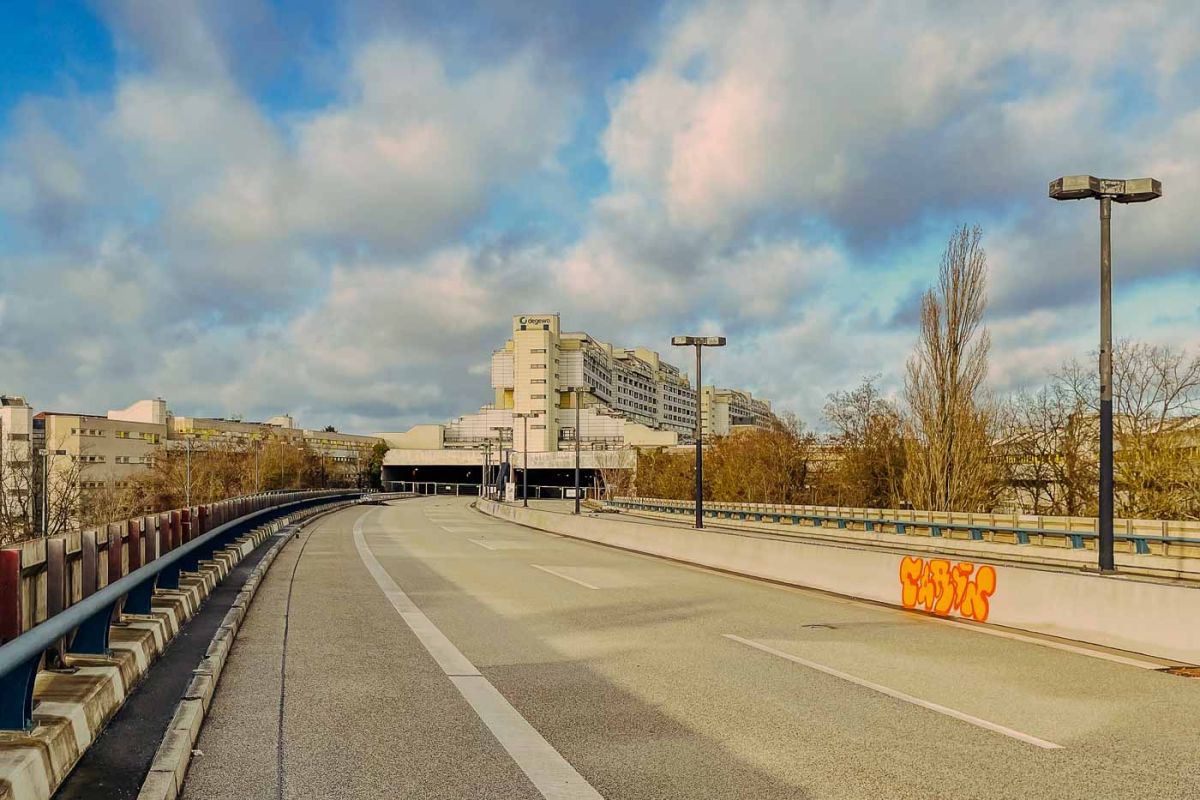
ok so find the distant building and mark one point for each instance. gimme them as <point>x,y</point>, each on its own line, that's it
<point>80,452</point>
<point>631,398</point>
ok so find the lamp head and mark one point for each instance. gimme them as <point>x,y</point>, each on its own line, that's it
<point>1132,190</point>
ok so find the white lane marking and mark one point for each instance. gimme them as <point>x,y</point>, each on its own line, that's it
<point>550,773</point>
<point>908,698</point>
<point>564,577</point>
<point>481,543</point>
<point>1070,648</point>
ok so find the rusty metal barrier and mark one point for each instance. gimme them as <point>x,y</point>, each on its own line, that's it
<point>111,576</point>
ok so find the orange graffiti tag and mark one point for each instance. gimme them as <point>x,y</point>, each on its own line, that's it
<point>942,587</point>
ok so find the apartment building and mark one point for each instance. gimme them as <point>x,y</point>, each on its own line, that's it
<point>724,411</point>
<point>538,368</point>
<point>19,479</point>
<point>79,452</point>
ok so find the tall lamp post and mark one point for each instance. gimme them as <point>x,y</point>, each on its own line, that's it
<point>524,417</point>
<point>483,478</point>
<point>499,429</point>
<point>699,342</point>
<point>1106,190</point>
<point>578,390</point>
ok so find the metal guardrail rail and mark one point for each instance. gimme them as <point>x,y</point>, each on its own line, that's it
<point>871,522</point>
<point>156,549</point>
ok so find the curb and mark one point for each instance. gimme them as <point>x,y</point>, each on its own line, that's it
<point>165,779</point>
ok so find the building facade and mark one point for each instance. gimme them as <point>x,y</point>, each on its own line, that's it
<point>627,398</point>
<point>62,456</point>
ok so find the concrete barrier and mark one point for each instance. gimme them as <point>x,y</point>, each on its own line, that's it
<point>1143,615</point>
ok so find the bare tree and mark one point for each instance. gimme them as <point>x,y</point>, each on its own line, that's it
<point>18,490</point>
<point>616,468</point>
<point>1156,394</point>
<point>1047,446</point>
<point>949,462</point>
<point>869,442</point>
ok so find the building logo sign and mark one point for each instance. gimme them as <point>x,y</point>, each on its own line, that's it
<point>535,320</point>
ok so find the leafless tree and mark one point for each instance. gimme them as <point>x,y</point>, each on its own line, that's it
<point>869,443</point>
<point>949,460</point>
<point>1156,397</point>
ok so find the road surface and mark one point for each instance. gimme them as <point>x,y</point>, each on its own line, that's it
<point>423,650</point>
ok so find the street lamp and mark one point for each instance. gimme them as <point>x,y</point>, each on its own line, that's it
<point>578,390</point>
<point>699,342</point>
<point>524,417</point>
<point>499,429</point>
<point>1137,190</point>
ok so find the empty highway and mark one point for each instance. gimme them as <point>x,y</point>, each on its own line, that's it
<point>424,650</point>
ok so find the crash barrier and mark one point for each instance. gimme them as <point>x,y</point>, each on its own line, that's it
<point>1137,614</point>
<point>1177,538</point>
<point>62,680</point>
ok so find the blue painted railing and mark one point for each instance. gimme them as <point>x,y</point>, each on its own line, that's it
<point>975,530</point>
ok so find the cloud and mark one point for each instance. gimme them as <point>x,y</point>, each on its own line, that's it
<point>336,215</point>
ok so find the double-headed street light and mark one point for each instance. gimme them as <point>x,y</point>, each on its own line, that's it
<point>524,417</point>
<point>1106,190</point>
<point>699,342</point>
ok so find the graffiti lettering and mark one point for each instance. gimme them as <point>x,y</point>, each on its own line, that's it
<point>941,587</point>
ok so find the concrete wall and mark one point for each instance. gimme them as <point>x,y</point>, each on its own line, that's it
<point>1140,615</point>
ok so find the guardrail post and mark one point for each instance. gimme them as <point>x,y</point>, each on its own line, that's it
<point>56,576</point>
<point>185,525</point>
<point>150,533</point>
<point>202,515</point>
<point>16,696</point>
<point>176,529</point>
<point>134,535</point>
<point>164,533</point>
<point>115,560</point>
<point>10,595</point>
<point>91,638</point>
<point>89,564</point>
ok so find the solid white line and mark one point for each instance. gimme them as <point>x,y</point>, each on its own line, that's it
<point>551,774</point>
<point>1070,648</point>
<point>564,577</point>
<point>908,698</point>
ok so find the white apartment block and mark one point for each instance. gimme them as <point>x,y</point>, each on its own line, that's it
<point>629,397</point>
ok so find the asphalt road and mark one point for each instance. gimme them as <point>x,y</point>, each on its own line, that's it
<point>437,653</point>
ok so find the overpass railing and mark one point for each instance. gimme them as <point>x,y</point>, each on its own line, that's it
<point>1143,537</point>
<point>59,595</point>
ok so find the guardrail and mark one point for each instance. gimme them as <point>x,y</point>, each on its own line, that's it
<point>1140,535</point>
<point>110,576</point>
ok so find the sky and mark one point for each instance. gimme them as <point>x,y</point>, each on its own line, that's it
<point>334,209</point>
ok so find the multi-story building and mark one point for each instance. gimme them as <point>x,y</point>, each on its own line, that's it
<point>19,476</point>
<point>724,411</point>
<point>80,452</point>
<point>628,397</point>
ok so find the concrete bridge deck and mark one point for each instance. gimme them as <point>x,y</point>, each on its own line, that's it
<point>446,654</point>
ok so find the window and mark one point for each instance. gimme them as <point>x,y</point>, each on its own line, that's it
<point>538,350</point>
<point>537,366</point>
<point>18,437</point>
<point>538,380</point>
<point>537,396</point>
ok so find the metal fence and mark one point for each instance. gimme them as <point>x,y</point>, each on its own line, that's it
<point>1142,537</point>
<point>61,593</point>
